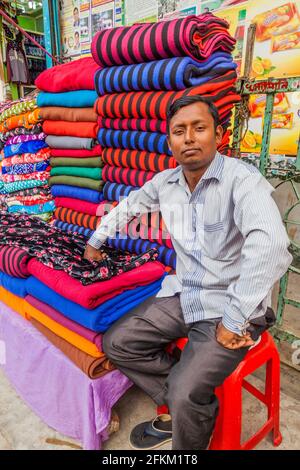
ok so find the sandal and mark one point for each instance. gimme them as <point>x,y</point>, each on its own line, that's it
<point>152,434</point>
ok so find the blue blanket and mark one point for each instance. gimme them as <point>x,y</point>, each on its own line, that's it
<point>48,206</point>
<point>69,99</point>
<point>63,190</point>
<point>115,191</point>
<point>100,318</point>
<point>13,284</point>
<point>25,168</point>
<point>176,73</point>
<point>32,146</point>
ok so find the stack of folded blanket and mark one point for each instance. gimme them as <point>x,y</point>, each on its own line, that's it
<point>144,68</point>
<point>70,122</point>
<point>72,301</point>
<point>25,168</point>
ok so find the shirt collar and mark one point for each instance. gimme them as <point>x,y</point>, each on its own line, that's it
<point>214,171</point>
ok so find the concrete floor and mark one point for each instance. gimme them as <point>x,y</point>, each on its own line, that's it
<point>21,429</point>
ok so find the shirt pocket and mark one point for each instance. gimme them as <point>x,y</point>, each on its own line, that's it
<point>214,240</point>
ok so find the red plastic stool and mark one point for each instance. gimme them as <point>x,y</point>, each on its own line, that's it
<point>227,432</point>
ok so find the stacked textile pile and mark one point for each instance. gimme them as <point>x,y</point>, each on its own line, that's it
<point>143,69</point>
<point>25,166</point>
<point>72,301</point>
<point>70,122</point>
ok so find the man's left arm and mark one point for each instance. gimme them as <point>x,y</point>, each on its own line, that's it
<point>264,257</point>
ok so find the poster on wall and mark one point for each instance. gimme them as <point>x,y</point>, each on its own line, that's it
<point>277,39</point>
<point>70,27</point>
<point>140,11</point>
<point>171,9</point>
<point>102,16</point>
<point>215,5</point>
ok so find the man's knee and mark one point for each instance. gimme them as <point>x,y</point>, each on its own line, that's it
<point>109,341</point>
<point>183,391</point>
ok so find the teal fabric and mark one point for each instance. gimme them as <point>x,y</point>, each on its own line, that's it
<point>69,99</point>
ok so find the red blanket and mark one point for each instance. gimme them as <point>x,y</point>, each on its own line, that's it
<point>76,75</point>
<point>96,151</point>
<point>74,129</point>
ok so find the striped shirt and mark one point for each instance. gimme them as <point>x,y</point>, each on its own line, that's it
<point>230,242</point>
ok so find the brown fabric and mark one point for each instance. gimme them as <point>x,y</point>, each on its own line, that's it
<point>93,367</point>
<point>58,113</point>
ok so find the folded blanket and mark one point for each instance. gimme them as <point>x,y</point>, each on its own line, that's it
<point>86,207</point>
<point>194,36</point>
<point>148,125</point>
<point>20,185</point>
<point>13,301</point>
<point>14,285</point>
<point>91,366</point>
<point>59,113</point>
<point>139,160</point>
<point>148,104</point>
<point>165,255</point>
<point>25,168</point>
<point>126,176</point>
<point>136,140</point>
<point>18,139</point>
<point>34,129</point>
<point>77,193</point>
<point>176,73</point>
<point>81,337</point>
<point>93,162</point>
<point>13,261</point>
<point>77,181</point>
<point>27,200</point>
<point>77,153</point>
<point>75,129</point>
<point>82,99</point>
<point>41,190</point>
<point>18,107</point>
<point>39,156</point>
<point>33,209</point>
<point>27,120</point>
<point>94,294</point>
<point>83,172</point>
<point>75,75</point>
<point>70,142</point>
<point>98,319</point>
<point>115,191</point>
<point>135,229</point>
<point>37,175</point>
<point>74,217</point>
<point>32,146</point>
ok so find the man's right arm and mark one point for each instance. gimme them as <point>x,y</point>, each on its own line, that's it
<point>137,203</point>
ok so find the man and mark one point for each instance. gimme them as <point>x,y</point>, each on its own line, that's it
<point>231,248</point>
<point>76,18</point>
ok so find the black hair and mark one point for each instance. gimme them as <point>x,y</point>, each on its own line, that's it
<point>75,9</point>
<point>76,33</point>
<point>186,101</point>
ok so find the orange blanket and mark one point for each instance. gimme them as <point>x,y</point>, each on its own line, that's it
<point>22,120</point>
<point>13,301</point>
<point>74,129</point>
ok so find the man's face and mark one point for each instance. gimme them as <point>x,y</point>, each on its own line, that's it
<point>193,139</point>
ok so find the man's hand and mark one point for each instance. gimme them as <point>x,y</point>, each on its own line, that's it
<point>231,340</point>
<point>92,254</point>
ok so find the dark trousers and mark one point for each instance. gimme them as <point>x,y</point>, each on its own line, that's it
<point>136,345</point>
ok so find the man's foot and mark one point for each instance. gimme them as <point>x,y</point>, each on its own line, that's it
<point>152,434</point>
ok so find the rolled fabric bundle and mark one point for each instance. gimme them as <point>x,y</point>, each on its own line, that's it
<point>92,162</point>
<point>70,142</point>
<point>77,192</point>
<point>76,153</point>
<point>135,140</point>
<point>13,261</point>
<point>74,129</point>
<point>32,146</point>
<point>27,120</point>
<point>91,366</point>
<point>60,113</point>
<point>86,207</point>
<point>114,191</point>
<point>135,229</point>
<point>82,98</point>
<point>34,129</point>
<point>126,175</point>
<point>25,168</point>
<point>71,76</point>
<point>17,107</point>
<point>88,183</point>
<point>139,160</point>
<point>154,105</point>
<point>77,218</point>
<point>83,172</point>
<point>147,125</point>
<point>21,185</point>
<point>39,156</point>
<point>37,175</point>
<point>48,206</point>
<point>81,337</point>
<point>176,73</point>
<point>194,36</point>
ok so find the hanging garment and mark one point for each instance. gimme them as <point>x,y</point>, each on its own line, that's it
<point>62,251</point>
<point>139,160</point>
<point>148,125</point>
<point>194,36</point>
<point>176,73</point>
<point>134,140</point>
<point>17,68</point>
